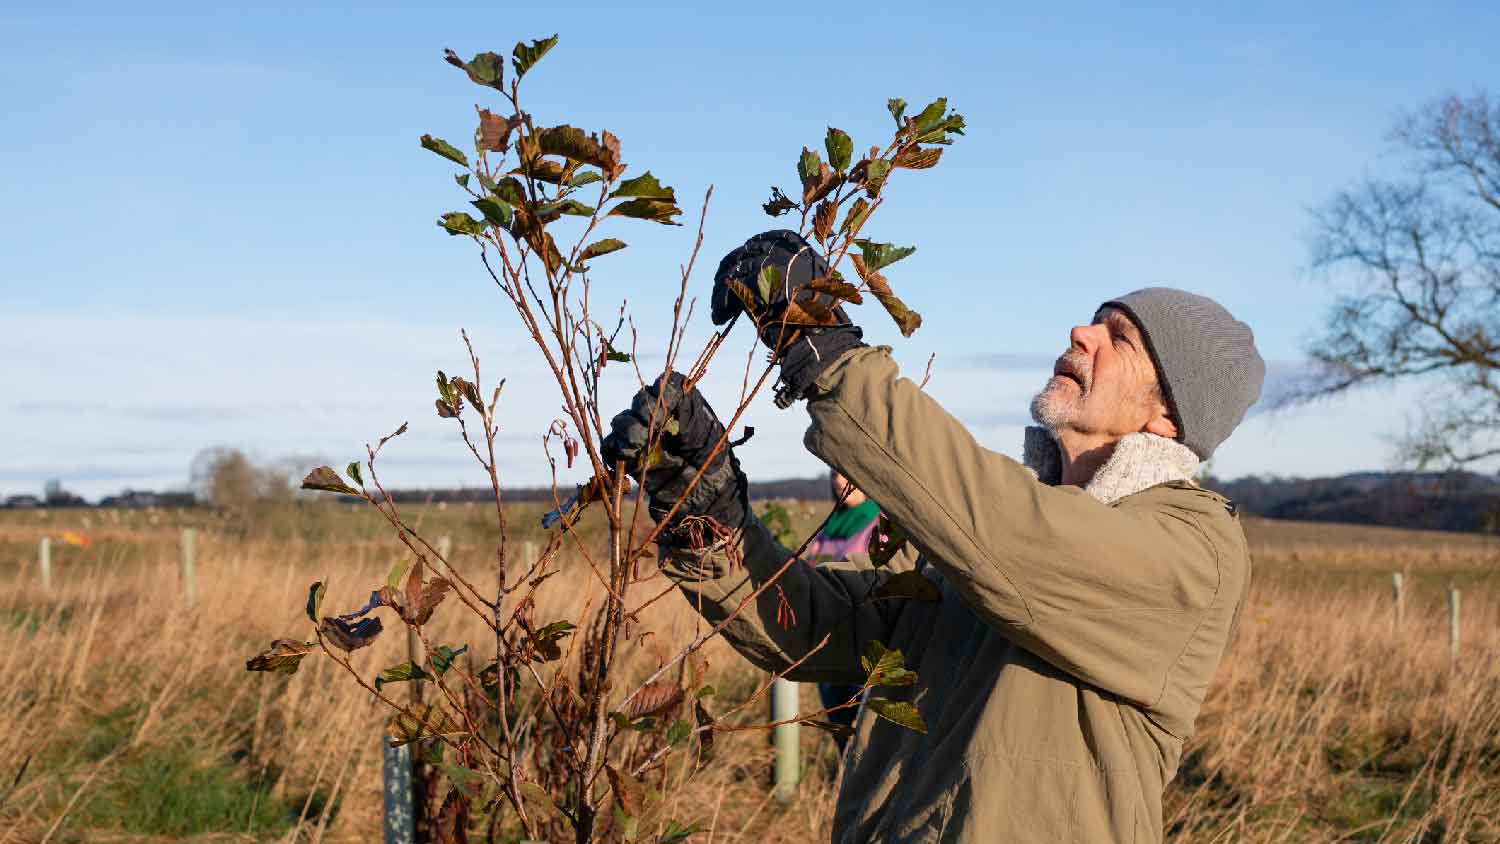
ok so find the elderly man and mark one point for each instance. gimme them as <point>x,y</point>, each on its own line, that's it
<point>1085,598</point>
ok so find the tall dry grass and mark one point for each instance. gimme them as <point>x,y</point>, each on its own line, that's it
<point>1324,724</point>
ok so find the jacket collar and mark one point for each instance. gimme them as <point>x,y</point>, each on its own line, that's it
<point>1139,462</point>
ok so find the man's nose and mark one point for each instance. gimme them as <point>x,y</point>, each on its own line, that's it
<point>1086,337</point>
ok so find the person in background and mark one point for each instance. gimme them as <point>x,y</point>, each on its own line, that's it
<point>847,531</point>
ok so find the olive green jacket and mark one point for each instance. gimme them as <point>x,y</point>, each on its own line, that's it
<point>1066,659</point>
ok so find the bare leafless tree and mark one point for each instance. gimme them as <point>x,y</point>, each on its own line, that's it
<point>1416,261</point>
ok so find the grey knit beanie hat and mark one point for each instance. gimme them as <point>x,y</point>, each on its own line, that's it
<point>1206,359</point>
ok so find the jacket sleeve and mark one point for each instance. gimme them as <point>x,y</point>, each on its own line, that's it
<point>1110,594</point>
<point>786,621</point>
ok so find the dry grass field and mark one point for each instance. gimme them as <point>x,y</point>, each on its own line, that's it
<point>139,722</point>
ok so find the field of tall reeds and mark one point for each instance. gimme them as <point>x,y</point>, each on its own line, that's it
<point>130,717</point>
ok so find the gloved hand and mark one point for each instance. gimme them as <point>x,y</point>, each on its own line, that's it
<point>806,350</point>
<point>688,430</point>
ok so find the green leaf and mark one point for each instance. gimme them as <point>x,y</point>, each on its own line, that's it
<point>855,216</point>
<point>897,108</point>
<point>457,222</point>
<point>283,657</point>
<point>442,658</point>
<point>676,833</point>
<point>315,595</point>
<point>462,179</point>
<point>552,210</point>
<point>885,667</point>
<point>897,712</point>
<point>934,124</point>
<point>646,186</point>
<point>525,57</point>
<point>843,731</point>
<point>584,177</point>
<point>879,255</point>
<point>325,479</point>
<point>658,210</point>
<point>464,778</point>
<point>840,148</point>
<point>706,691</point>
<point>601,247</point>
<point>352,470</point>
<point>544,642</point>
<point>397,574</point>
<point>678,732</point>
<point>487,69</point>
<point>809,166</point>
<point>875,176</point>
<point>496,211</point>
<point>611,353</point>
<point>931,114</point>
<point>768,280</point>
<point>909,584</point>
<point>404,673</point>
<point>445,149</point>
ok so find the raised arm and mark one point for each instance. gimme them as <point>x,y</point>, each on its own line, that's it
<point>1111,594</point>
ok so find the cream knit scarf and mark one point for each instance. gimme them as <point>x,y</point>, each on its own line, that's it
<point>1140,461</point>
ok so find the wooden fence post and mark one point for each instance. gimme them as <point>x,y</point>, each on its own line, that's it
<point>1399,598</point>
<point>1453,608</point>
<point>189,568</point>
<point>44,561</point>
<point>784,705</point>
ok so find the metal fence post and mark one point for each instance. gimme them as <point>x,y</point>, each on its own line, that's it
<point>189,571</point>
<point>784,705</point>
<point>44,561</point>
<point>399,825</point>
<point>1453,608</point>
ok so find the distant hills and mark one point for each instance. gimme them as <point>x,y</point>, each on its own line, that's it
<point>1452,501</point>
<point>1455,501</point>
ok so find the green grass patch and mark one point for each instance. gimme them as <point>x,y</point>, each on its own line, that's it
<point>179,790</point>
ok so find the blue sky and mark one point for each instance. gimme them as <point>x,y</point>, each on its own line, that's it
<point>216,223</point>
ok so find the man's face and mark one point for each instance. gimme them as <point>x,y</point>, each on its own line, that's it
<point>1104,385</point>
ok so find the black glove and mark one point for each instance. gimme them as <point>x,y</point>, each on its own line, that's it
<point>806,350</point>
<point>688,430</point>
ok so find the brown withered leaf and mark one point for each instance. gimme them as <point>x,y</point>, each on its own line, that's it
<point>283,657</point>
<point>325,479</point>
<point>444,409</point>
<point>629,794</point>
<point>744,294</point>
<point>452,825</point>
<point>806,313</point>
<point>859,267</point>
<point>351,635</point>
<point>837,289</point>
<point>654,699</point>
<point>778,204</point>
<point>577,145</point>
<point>611,146</point>
<point>823,219</point>
<point>494,130</point>
<point>422,720</point>
<point>544,170</point>
<point>433,593</point>
<point>915,158</point>
<point>815,189</point>
<point>907,320</point>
